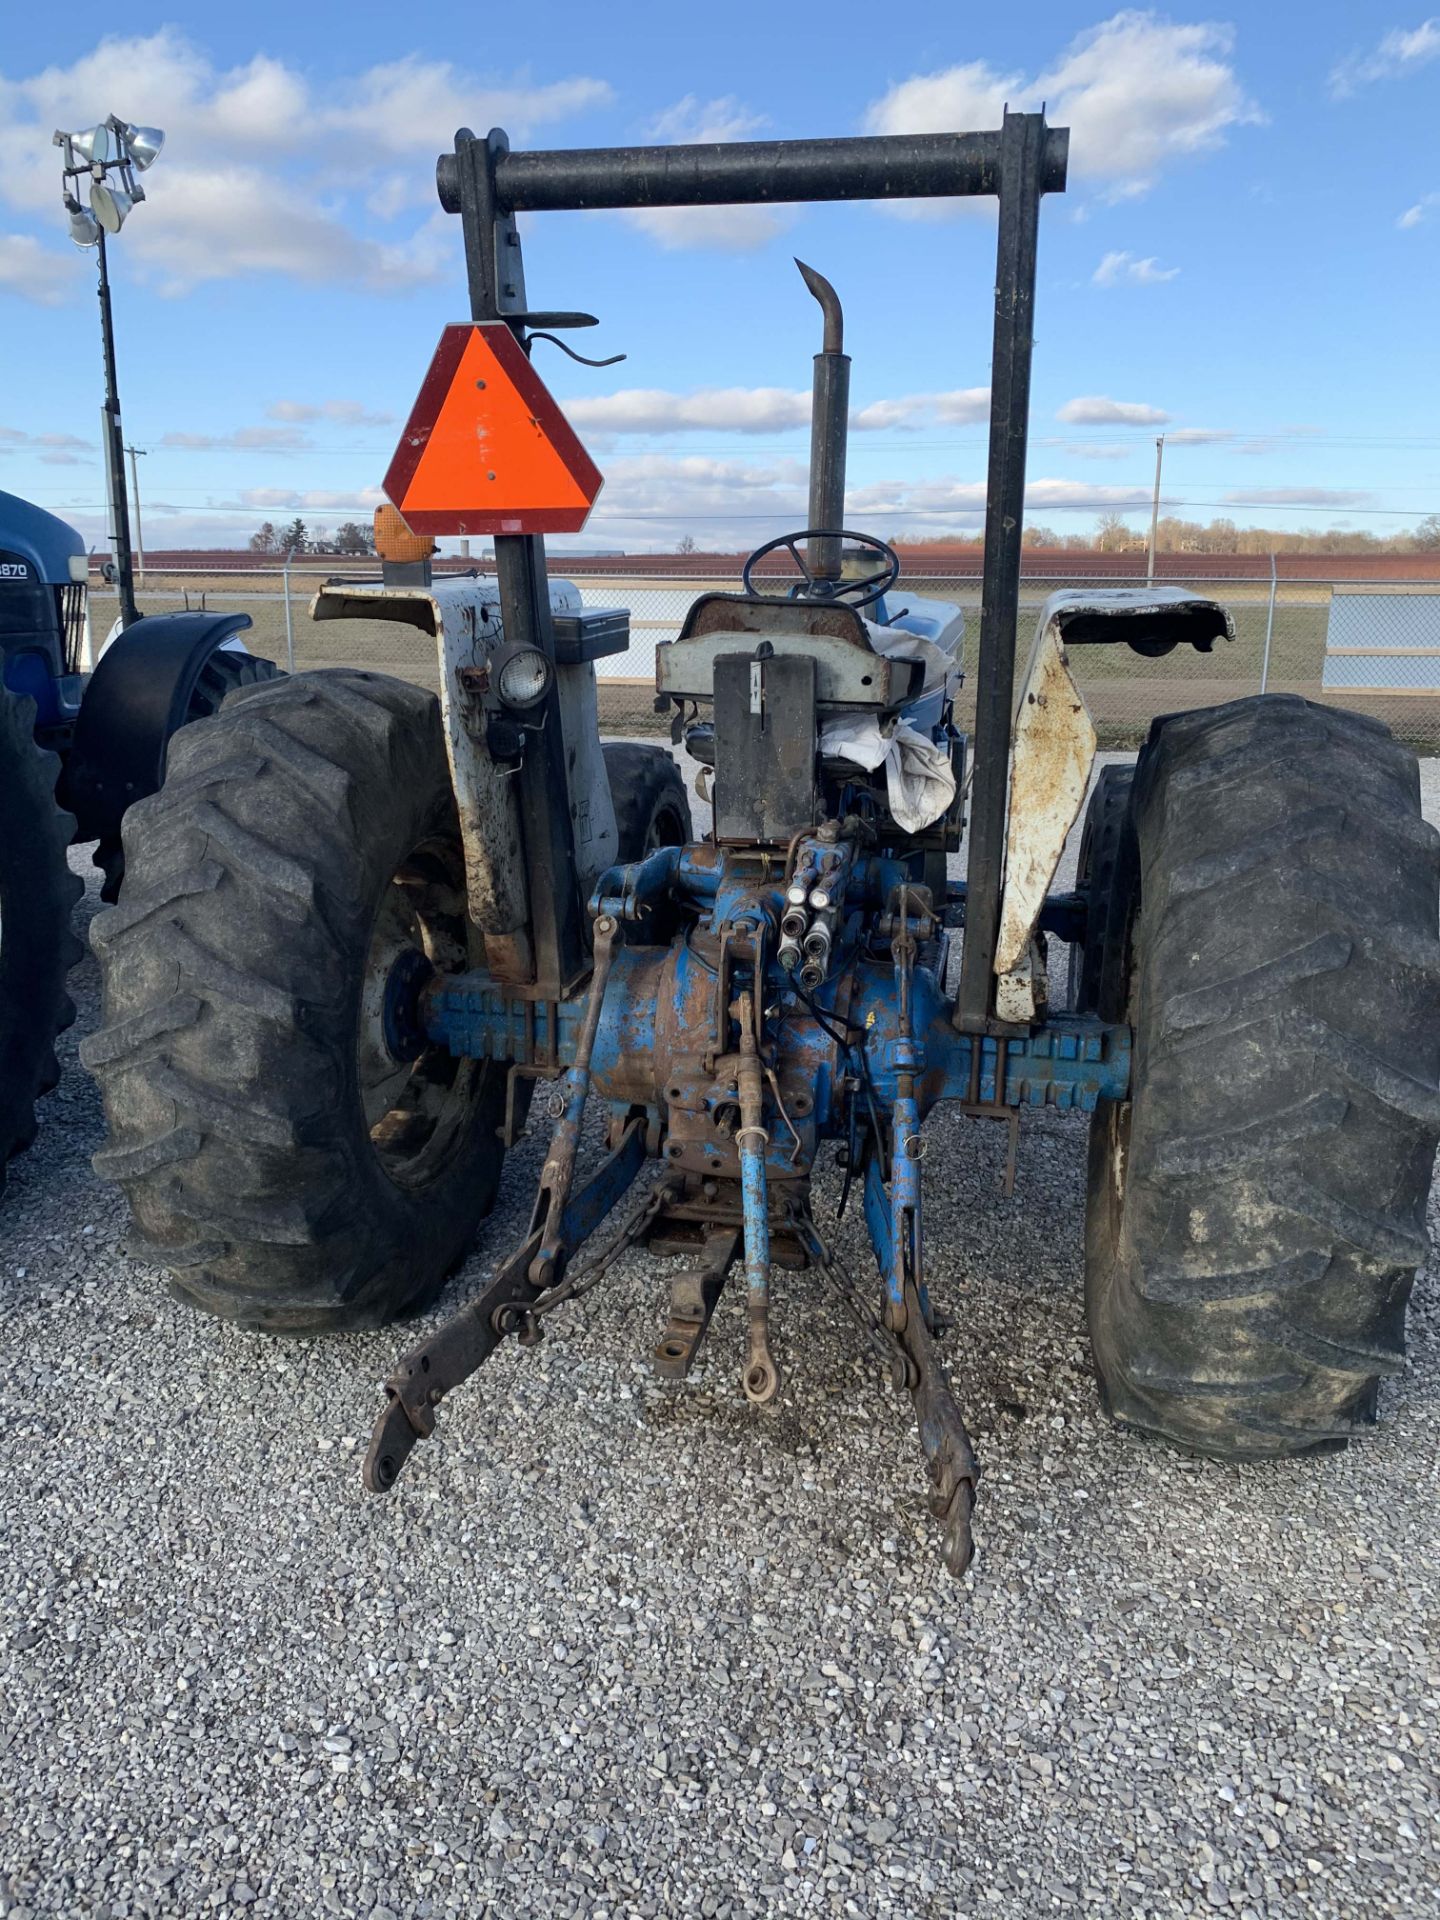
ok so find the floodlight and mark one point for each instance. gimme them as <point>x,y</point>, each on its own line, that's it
<point>142,144</point>
<point>96,146</point>
<point>84,229</point>
<point>110,205</point>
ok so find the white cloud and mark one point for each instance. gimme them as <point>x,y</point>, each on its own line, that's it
<point>694,120</point>
<point>218,223</point>
<point>1099,410</point>
<point>43,274</point>
<point>1138,92</point>
<point>263,172</point>
<point>962,502</point>
<point>962,406</point>
<point>413,106</point>
<point>1421,210</point>
<point>68,443</point>
<point>264,439</point>
<point>1297,497</point>
<point>1401,51</point>
<point>654,410</point>
<point>1117,267</point>
<point>883,416</point>
<point>340,413</point>
<point>310,499</point>
<point>690,122</point>
<point>712,409</point>
<point>1125,448</point>
<point>652,500</point>
<point>1098,449</point>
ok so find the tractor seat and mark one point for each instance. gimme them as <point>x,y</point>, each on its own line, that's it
<point>859,664</point>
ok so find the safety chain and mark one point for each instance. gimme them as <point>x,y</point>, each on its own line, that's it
<point>898,1365</point>
<point>585,1274</point>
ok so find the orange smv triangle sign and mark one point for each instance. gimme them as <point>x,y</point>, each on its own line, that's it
<point>486,449</point>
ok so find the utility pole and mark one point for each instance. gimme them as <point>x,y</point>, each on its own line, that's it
<point>1155,510</point>
<point>137,453</point>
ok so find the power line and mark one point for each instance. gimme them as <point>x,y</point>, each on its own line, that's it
<point>1039,508</point>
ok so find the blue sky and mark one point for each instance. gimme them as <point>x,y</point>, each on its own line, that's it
<point>1248,258</point>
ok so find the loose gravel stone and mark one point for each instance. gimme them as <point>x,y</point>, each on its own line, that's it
<point>613,1649</point>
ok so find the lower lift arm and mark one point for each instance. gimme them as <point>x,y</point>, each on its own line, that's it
<point>532,1279</point>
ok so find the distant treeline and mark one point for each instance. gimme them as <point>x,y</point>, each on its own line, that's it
<point>1112,534</point>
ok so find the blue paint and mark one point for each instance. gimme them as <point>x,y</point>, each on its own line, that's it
<point>1070,1063</point>
<point>756,1213</point>
<point>880,1226</point>
<point>665,1042</point>
<point>585,1210</point>
<point>29,672</point>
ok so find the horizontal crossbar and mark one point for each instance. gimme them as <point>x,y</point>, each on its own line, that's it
<point>924,166</point>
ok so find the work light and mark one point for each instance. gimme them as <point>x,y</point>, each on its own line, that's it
<point>524,678</point>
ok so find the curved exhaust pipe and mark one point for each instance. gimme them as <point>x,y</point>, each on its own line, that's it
<point>834,340</point>
<point>829,424</point>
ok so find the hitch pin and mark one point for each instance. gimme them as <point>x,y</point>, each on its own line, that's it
<point>761,1379</point>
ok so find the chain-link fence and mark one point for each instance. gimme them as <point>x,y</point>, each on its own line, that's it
<point>1374,647</point>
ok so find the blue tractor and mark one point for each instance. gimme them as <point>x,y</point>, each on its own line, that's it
<point>76,747</point>
<point>365,926</point>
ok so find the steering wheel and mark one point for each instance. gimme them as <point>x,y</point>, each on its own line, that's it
<point>862,591</point>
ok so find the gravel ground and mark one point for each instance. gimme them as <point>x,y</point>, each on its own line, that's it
<point>617,1650</point>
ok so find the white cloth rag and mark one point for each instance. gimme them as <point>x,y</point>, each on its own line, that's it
<point>919,780</point>
<point>895,643</point>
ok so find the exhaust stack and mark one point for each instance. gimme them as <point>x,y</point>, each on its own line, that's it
<point>829,422</point>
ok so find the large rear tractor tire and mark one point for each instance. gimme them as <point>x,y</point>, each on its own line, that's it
<point>38,946</point>
<point>1256,1209</point>
<point>291,1148</point>
<point>652,809</point>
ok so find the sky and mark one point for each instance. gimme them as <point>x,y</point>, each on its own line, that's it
<point>1247,259</point>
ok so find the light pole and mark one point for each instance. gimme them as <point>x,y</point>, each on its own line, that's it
<point>1155,510</point>
<point>137,453</point>
<point>115,148</point>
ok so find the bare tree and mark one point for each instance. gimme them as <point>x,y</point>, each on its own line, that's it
<point>352,537</point>
<point>1111,533</point>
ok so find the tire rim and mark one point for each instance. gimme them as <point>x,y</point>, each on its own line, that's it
<point>417,1111</point>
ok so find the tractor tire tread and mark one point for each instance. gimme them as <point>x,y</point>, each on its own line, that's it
<point>648,790</point>
<point>228,970</point>
<point>1249,1293</point>
<point>38,895</point>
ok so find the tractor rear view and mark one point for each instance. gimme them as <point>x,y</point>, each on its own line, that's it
<point>361,926</point>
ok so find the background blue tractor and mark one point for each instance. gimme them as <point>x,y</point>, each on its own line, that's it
<point>76,747</point>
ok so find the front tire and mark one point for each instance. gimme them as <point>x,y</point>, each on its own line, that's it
<point>652,809</point>
<point>299,1159</point>
<point>1256,1209</point>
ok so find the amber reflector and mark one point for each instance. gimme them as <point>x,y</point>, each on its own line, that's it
<point>395,541</point>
